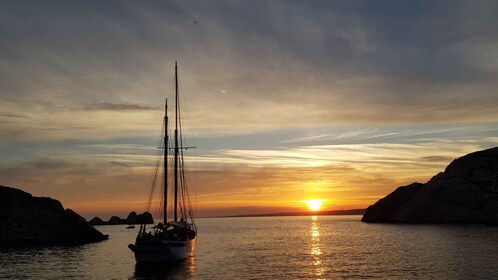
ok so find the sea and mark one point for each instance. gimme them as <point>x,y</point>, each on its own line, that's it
<point>305,247</point>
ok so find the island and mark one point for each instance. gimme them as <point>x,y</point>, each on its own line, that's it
<point>132,219</point>
<point>466,192</point>
<point>27,221</point>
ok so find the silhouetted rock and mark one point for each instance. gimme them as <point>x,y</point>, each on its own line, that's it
<point>145,218</point>
<point>132,219</point>
<point>466,192</point>
<point>115,220</point>
<point>97,221</point>
<point>32,221</point>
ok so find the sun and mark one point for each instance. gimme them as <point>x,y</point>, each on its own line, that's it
<point>314,204</point>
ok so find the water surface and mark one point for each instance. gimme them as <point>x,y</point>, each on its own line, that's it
<point>323,247</point>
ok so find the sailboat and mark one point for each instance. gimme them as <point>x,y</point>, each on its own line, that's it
<point>173,240</point>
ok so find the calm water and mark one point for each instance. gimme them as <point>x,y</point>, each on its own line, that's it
<point>323,247</point>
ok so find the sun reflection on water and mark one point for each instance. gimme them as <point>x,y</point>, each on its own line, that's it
<point>316,247</point>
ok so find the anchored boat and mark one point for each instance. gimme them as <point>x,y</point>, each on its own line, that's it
<point>174,239</point>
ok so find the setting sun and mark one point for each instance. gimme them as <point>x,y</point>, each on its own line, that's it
<point>314,204</point>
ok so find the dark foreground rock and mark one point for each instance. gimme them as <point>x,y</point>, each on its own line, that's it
<point>33,221</point>
<point>466,192</point>
<point>132,219</point>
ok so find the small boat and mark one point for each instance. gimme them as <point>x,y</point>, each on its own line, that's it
<point>174,239</point>
<point>130,227</point>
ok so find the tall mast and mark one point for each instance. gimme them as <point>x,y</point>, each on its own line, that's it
<point>165,194</point>
<point>176,140</point>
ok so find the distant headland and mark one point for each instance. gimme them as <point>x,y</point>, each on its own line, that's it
<point>132,219</point>
<point>466,192</point>
<point>27,221</point>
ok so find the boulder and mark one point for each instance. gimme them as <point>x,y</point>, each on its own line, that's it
<point>34,221</point>
<point>466,192</point>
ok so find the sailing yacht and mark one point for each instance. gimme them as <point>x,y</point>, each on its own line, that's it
<point>174,239</point>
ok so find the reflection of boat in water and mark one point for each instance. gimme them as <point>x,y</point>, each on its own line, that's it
<point>130,227</point>
<point>172,240</point>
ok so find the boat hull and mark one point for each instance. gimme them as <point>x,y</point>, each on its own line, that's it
<point>169,251</point>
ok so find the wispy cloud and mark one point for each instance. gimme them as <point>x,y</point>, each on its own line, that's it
<point>296,65</point>
<point>120,163</point>
<point>11,115</point>
<point>119,107</point>
<point>344,174</point>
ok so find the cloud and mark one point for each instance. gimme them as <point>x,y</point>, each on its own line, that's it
<point>118,163</point>
<point>284,63</point>
<point>118,174</point>
<point>11,115</point>
<point>349,98</point>
<point>439,159</point>
<point>118,107</point>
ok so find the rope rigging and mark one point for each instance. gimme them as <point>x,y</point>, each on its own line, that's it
<point>182,200</point>
<point>155,171</point>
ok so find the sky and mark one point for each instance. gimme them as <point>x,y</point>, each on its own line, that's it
<point>284,100</point>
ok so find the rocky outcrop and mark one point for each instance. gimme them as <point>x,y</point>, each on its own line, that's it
<point>97,221</point>
<point>132,219</point>
<point>144,218</point>
<point>466,192</point>
<point>115,220</point>
<point>33,221</point>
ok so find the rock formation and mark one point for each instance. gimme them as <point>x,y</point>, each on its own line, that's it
<point>97,221</point>
<point>115,220</point>
<point>132,219</point>
<point>466,192</point>
<point>33,221</point>
<point>145,218</point>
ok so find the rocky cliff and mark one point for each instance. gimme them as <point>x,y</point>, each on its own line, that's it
<point>466,192</point>
<point>32,221</point>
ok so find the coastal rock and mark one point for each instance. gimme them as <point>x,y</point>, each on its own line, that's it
<point>466,192</point>
<point>145,218</point>
<point>115,220</point>
<point>132,219</point>
<point>97,221</point>
<point>33,221</point>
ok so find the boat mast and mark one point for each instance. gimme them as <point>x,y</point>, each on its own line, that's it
<point>176,141</point>
<point>165,194</point>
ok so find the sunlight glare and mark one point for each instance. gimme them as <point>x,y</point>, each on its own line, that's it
<point>314,204</point>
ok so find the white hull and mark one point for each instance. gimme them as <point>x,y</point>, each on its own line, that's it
<point>169,251</point>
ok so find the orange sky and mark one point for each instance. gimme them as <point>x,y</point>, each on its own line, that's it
<point>235,182</point>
